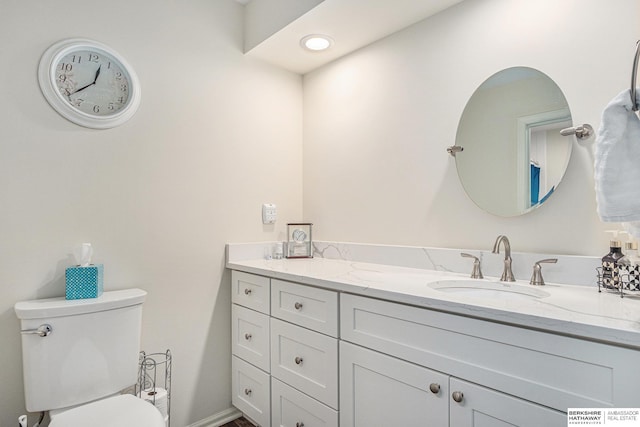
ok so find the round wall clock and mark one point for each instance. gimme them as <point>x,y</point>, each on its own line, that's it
<point>88,83</point>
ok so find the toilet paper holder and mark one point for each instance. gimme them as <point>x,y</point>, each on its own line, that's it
<point>154,381</point>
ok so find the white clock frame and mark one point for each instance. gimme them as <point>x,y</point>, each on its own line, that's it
<point>48,86</point>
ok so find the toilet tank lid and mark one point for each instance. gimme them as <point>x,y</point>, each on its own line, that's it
<point>56,307</point>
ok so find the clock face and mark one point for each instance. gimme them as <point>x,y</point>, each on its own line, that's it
<point>299,235</point>
<point>92,81</point>
<point>88,83</point>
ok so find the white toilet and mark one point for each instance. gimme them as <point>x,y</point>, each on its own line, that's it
<point>79,354</point>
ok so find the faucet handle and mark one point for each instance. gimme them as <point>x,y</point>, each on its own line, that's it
<point>476,273</point>
<point>536,278</point>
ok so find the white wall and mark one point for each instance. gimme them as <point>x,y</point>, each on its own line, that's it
<point>216,135</point>
<point>377,124</point>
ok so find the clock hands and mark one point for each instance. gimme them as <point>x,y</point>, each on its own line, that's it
<point>95,79</point>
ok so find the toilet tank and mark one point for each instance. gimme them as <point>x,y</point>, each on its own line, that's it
<point>91,352</point>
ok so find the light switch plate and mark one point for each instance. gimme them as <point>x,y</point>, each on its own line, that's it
<point>269,213</point>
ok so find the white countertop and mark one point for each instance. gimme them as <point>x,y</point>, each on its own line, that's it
<point>568,309</point>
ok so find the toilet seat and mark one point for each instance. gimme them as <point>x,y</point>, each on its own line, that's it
<point>124,410</point>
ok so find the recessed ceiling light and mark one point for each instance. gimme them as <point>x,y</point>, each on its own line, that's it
<point>316,42</point>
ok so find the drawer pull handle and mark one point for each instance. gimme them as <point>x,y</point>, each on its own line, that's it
<point>298,306</point>
<point>247,391</point>
<point>435,388</point>
<point>457,396</point>
<point>300,424</point>
<point>298,360</point>
<point>247,337</point>
<point>247,291</point>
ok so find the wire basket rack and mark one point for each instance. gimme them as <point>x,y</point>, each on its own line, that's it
<point>154,381</point>
<point>624,282</point>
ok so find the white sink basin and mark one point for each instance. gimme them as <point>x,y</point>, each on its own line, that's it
<point>476,288</point>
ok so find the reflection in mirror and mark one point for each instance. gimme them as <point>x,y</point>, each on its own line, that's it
<point>514,156</point>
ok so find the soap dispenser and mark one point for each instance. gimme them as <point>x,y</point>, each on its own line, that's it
<point>610,267</point>
<point>630,266</point>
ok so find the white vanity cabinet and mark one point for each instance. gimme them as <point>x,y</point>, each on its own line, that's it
<point>377,389</point>
<point>337,358</point>
<point>518,376</point>
<point>285,352</point>
<point>250,346</point>
<point>304,356</point>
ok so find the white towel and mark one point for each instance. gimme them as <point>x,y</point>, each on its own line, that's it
<point>617,163</point>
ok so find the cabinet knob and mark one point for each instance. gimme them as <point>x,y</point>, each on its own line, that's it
<point>247,391</point>
<point>435,388</point>
<point>298,360</point>
<point>457,396</point>
<point>299,424</point>
<point>298,306</point>
<point>247,291</point>
<point>247,337</point>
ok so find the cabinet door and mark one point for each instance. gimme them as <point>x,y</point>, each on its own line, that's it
<point>483,407</point>
<point>380,390</point>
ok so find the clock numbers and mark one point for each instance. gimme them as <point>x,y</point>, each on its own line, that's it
<point>92,82</point>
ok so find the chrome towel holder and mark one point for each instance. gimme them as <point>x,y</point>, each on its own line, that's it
<point>581,132</point>
<point>634,73</point>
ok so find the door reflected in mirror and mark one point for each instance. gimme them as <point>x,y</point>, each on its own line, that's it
<point>514,156</point>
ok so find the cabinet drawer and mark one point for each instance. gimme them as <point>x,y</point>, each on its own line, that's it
<point>557,371</point>
<point>250,391</point>
<point>306,360</point>
<point>250,290</point>
<point>250,336</point>
<point>291,408</point>
<point>306,306</point>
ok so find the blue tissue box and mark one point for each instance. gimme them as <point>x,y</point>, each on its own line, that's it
<point>84,282</point>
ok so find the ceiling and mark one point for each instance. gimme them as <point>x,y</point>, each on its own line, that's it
<point>351,23</point>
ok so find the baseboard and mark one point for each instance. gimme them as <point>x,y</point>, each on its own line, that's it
<point>219,419</point>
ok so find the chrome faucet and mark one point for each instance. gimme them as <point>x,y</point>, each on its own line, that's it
<point>476,273</point>
<point>507,274</point>
<point>536,278</point>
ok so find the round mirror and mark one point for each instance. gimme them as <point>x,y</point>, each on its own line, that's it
<point>513,155</point>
